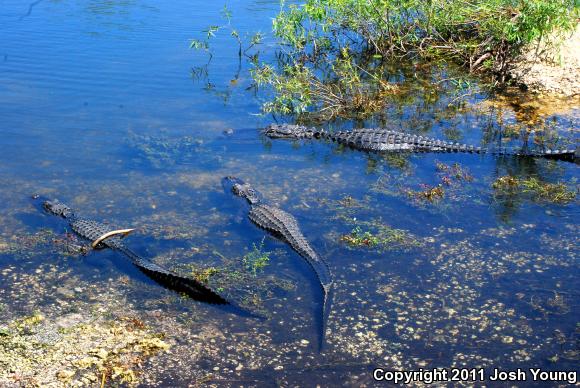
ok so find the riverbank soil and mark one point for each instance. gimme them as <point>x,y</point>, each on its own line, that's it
<point>551,69</point>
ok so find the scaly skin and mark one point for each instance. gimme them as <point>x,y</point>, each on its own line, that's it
<point>383,140</point>
<point>285,227</point>
<point>91,230</point>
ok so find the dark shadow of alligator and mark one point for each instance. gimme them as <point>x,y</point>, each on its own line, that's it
<point>94,232</point>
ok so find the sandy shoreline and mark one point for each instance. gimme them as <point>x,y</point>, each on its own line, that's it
<point>555,70</point>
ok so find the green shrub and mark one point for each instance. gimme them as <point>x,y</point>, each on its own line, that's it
<point>333,46</point>
<point>257,259</point>
<point>335,54</point>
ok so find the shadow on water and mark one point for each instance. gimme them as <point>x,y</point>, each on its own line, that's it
<point>136,267</point>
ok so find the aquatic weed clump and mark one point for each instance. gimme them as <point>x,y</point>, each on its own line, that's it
<point>551,192</point>
<point>204,275</point>
<point>377,235</point>
<point>358,238</point>
<point>257,259</point>
<point>509,186</point>
<point>453,172</point>
<point>428,193</point>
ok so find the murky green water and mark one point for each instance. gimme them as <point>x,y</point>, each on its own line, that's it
<point>100,110</point>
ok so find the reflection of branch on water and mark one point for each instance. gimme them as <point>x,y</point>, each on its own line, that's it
<point>538,136</point>
<point>550,306</point>
<point>554,291</point>
<point>30,6</point>
<point>201,74</point>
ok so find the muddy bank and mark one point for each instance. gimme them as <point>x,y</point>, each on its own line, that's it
<point>556,70</point>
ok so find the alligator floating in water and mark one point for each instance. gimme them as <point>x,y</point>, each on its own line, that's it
<point>285,227</point>
<point>102,236</point>
<point>383,140</point>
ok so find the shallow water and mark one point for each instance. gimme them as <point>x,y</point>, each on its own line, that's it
<point>99,109</point>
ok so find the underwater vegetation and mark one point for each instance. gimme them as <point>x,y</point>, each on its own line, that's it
<point>257,259</point>
<point>535,189</point>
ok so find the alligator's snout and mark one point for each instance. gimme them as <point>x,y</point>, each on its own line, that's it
<point>57,208</point>
<point>276,131</point>
<point>232,180</point>
<point>229,182</point>
<point>241,189</point>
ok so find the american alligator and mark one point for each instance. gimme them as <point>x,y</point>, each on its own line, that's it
<point>383,140</point>
<point>285,227</point>
<point>95,231</point>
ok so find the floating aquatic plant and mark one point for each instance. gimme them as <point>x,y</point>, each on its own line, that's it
<point>358,238</point>
<point>540,191</point>
<point>205,274</point>
<point>257,259</point>
<point>378,236</point>
<point>454,171</point>
<point>428,193</point>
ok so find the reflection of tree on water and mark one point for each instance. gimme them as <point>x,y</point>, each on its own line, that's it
<point>30,7</point>
<point>246,50</point>
<point>512,177</point>
<point>201,74</point>
<point>518,135</point>
<point>117,15</point>
<point>507,204</point>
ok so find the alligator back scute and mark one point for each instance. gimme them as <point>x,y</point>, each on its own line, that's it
<point>89,229</point>
<point>285,226</point>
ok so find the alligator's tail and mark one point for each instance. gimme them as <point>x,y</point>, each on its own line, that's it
<point>568,155</point>
<point>173,281</point>
<point>434,145</point>
<point>326,303</point>
<point>431,145</point>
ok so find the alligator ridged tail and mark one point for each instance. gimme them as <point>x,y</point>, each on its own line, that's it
<point>567,155</point>
<point>172,281</point>
<point>326,304</point>
<point>284,226</point>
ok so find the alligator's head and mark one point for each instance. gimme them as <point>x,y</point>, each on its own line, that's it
<point>57,208</point>
<point>242,189</point>
<point>288,131</point>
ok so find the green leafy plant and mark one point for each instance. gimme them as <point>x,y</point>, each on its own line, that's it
<point>257,259</point>
<point>335,57</point>
<point>333,50</point>
<point>212,30</point>
<point>378,236</point>
<point>539,191</point>
<point>205,274</point>
<point>358,238</point>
